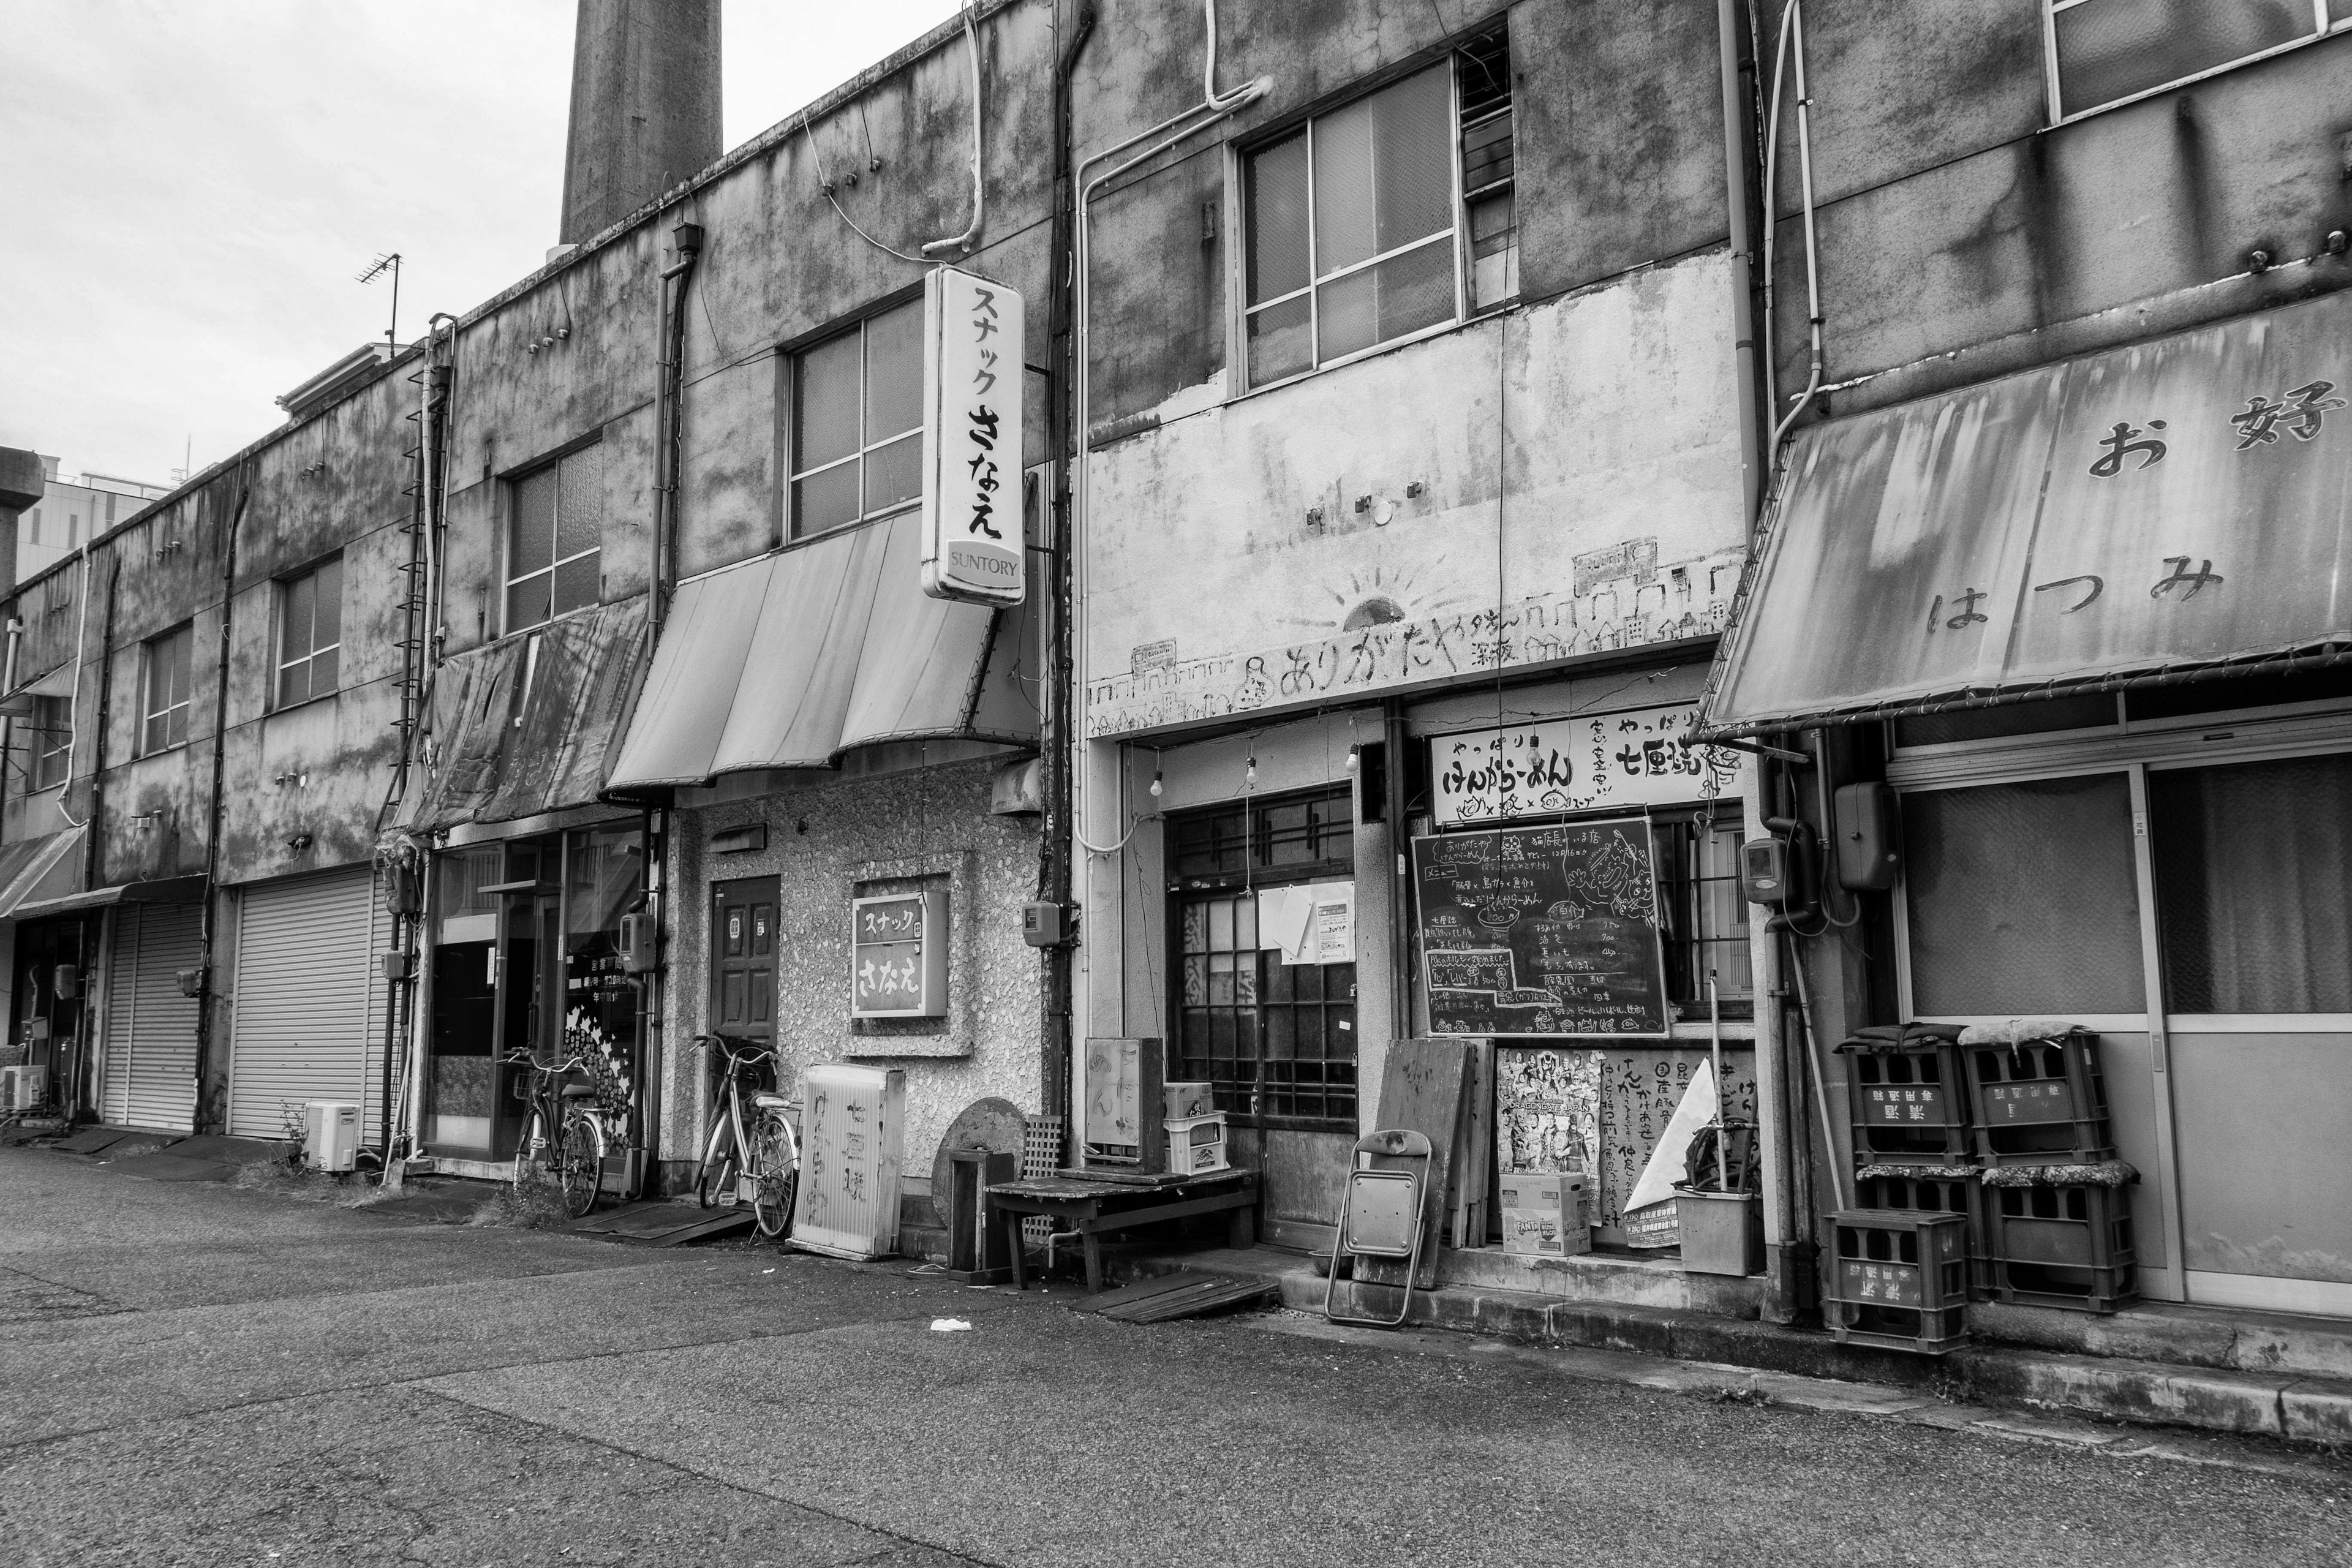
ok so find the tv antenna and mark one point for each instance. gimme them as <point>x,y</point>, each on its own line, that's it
<point>388,262</point>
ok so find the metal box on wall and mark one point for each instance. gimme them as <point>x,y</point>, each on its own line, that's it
<point>853,1127</point>
<point>898,956</point>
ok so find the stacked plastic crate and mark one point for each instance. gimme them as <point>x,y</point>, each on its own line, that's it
<point>1899,1272</point>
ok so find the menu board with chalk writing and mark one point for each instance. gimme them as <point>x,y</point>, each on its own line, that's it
<point>1542,931</point>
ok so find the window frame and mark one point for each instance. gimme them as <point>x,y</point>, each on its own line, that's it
<point>1239,226</point>
<point>148,712</point>
<point>280,663</point>
<point>511,485</point>
<point>789,356</point>
<point>37,738</point>
<point>2054,96</point>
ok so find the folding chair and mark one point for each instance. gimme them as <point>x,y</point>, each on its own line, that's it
<point>1384,1213</point>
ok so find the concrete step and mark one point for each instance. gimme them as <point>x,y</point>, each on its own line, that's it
<point>2284,1403</point>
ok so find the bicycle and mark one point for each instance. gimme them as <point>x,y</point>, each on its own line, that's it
<point>564,1123</point>
<point>767,1170</point>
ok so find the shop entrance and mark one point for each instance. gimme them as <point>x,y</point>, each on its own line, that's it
<point>2193,909</point>
<point>51,1028</point>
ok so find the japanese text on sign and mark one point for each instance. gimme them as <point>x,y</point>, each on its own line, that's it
<point>898,956</point>
<point>1631,757</point>
<point>973,534</point>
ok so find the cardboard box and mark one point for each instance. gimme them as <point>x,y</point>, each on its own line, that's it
<point>1186,1101</point>
<point>1196,1144</point>
<point>1547,1213</point>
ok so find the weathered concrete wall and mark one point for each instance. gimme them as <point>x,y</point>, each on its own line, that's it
<point>831,839</point>
<point>1561,479</point>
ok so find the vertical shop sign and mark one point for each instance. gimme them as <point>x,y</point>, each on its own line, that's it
<point>898,956</point>
<point>974,537</point>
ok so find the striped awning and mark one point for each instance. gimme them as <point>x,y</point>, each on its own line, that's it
<point>2177,509</point>
<point>791,660</point>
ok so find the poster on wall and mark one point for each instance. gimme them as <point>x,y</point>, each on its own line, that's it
<point>1631,757</point>
<point>974,546</point>
<point>1542,931</point>
<point>1314,924</point>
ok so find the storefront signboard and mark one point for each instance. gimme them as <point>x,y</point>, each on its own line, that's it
<point>1542,931</point>
<point>1631,757</point>
<point>898,956</point>
<point>973,539</point>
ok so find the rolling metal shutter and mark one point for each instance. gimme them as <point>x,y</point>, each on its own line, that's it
<point>305,957</point>
<point>150,1028</point>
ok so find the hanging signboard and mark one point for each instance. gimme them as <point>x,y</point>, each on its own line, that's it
<point>1626,759</point>
<point>973,540</point>
<point>1542,931</point>
<point>898,956</point>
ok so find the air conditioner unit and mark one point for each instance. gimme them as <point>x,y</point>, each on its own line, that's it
<point>330,1134</point>
<point>23,1088</point>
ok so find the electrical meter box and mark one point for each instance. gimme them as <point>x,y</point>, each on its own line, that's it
<point>638,942</point>
<point>898,956</point>
<point>330,1134</point>
<point>1868,839</point>
<point>1045,924</point>
<point>1764,871</point>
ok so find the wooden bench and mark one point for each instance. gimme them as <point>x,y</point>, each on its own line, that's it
<point>1095,1207</point>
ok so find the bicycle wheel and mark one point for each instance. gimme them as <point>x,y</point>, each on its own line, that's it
<point>531,1154</point>
<point>580,1163</point>
<point>775,1174</point>
<point>717,1173</point>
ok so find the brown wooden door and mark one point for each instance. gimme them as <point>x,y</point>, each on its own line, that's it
<point>743,958</point>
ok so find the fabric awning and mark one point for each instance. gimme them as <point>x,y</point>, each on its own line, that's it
<point>56,682</point>
<point>526,725</point>
<point>39,867</point>
<point>791,660</point>
<point>167,891</point>
<point>2137,515</point>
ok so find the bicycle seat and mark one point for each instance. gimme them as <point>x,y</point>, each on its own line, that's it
<point>579,1092</point>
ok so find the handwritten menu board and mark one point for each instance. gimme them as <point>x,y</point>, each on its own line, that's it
<point>1542,931</point>
<point>1602,1112</point>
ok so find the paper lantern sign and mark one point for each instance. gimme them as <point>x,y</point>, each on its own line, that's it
<point>898,956</point>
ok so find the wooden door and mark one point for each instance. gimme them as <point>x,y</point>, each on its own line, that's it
<point>743,958</point>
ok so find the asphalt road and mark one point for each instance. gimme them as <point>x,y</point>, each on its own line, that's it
<point>191,1373</point>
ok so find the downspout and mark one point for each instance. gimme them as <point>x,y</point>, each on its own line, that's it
<point>7,723</point>
<point>1170,131</point>
<point>1057,1037</point>
<point>218,800</point>
<point>961,243</point>
<point>1793,43</point>
<point>93,862</point>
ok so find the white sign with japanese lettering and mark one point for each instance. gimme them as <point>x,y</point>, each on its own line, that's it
<point>973,546</point>
<point>1600,760</point>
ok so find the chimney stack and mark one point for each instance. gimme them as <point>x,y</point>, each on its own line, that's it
<point>645,107</point>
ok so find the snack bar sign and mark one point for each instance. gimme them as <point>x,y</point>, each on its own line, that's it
<point>898,956</point>
<point>973,547</point>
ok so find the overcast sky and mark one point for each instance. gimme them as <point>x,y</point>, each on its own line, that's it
<point>188,186</point>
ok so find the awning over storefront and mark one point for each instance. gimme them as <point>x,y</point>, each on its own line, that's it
<point>2146,514</point>
<point>792,659</point>
<point>37,868</point>
<point>525,725</point>
<point>166,890</point>
<point>57,683</point>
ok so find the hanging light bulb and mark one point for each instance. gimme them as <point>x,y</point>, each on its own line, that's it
<point>1351,758</point>
<point>1156,784</point>
<point>1249,777</point>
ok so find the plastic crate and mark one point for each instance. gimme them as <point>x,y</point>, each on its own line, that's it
<point>1926,1190</point>
<point>1907,1096</point>
<point>2039,1102</point>
<point>1898,1279</point>
<point>2065,1246</point>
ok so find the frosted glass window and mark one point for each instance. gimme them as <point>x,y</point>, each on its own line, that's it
<point>2114,49</point>
<point>2023,898</point>
<point>2253,862</point>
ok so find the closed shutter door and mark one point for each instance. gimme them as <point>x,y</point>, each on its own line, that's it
<point>150,1028</point>
<point>304,953</point>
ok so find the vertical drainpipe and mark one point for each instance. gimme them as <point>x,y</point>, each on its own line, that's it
<point>653,990</point>
<point>1058,1037</point>
<point>218,800</point>
<point>1786,1232</point>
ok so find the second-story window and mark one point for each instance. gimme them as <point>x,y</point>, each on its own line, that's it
<point>165,706</point>
<point>555,538</point>
<point>858,423</point>
<point>52,741</point>
<point>310,633</point>
<point>2107,51</point>
<point>1355,221</point>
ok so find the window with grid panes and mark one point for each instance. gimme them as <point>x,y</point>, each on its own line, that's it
<point>858,423</point>
<point>1276,1041</point>
<point>166,706</point>
<point>1703,915</point>
<point>52,741</point>
<point>2105,51</point>
<point>555,539</point>
<point>310,633</point>
<point>1356,220</point>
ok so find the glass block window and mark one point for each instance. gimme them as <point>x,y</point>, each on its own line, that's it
<point>1276,1041</point>
<point>165,681</point>
<point>310,633</point>
<point>555,537</point>
<point>2107,51</point>
<point>858,423</point>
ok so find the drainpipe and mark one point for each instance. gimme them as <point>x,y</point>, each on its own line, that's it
<point>8,724</point>
<point>1058,1037</point>
<point>1176,129</point>
<point>217,804</point>
<point>688,239</point>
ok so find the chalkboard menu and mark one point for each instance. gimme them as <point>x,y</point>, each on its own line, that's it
<point>1542,931</point>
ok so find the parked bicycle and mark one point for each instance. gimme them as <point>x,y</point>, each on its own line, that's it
<point>753,1155</point>
<point>564,1138</point>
